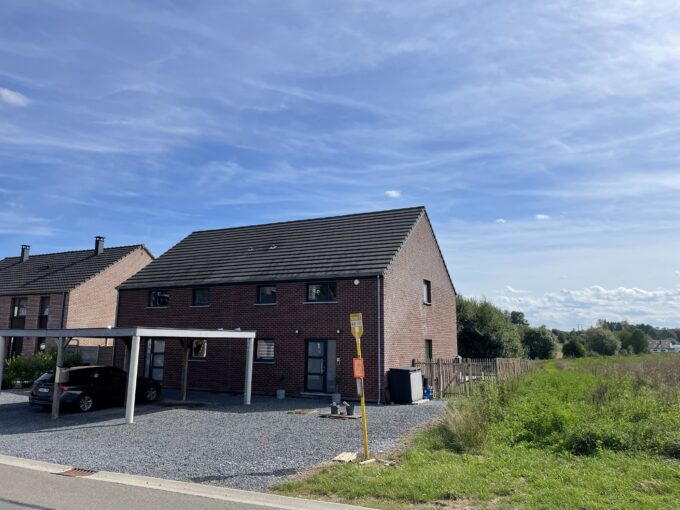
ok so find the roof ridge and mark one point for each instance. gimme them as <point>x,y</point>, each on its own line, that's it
<point>33,255</point>
<point>307,220</point>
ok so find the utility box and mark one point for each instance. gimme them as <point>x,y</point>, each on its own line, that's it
<point>406,385</point>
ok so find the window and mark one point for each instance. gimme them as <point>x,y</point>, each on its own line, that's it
<point>44,306</point>
<point>40,344</point>
<point>264,351</point>
<point>320,292</point>
<point>19,307</point>
<point>428,349</point>
<point>201,297</point>
<point>44,311</point>
<point>266,294</point>
<point>159,298</point>
<point>199,349</point>
<point>427,292</point>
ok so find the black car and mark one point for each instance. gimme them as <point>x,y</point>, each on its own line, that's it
<point>91,386</point>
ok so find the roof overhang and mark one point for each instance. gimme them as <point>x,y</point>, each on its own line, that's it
<point>128,332</point>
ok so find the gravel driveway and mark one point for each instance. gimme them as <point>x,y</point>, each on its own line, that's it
<point>212,439</point>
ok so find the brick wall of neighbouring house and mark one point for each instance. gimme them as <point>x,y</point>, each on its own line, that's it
<point>234,306</point>
<point>408,321</point>
<point>32,311</point>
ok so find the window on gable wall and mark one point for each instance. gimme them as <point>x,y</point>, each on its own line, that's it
<point>427,292</point>
<point>199,349</point>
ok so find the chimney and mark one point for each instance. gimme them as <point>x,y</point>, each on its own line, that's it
<point>25,248</point>
<point>98,245</point>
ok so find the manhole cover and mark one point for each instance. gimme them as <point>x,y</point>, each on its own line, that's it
<point>77,472</point>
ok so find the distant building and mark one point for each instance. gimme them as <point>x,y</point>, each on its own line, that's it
<point>295,284</point>
<point>70,289</point>
<point>663,346</point>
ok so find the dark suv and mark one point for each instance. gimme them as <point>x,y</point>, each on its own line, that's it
<point>91,386</point>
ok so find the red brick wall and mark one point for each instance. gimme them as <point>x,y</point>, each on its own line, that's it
<point>408,321</point>
<point>33,309</point>
<point>234,306</point>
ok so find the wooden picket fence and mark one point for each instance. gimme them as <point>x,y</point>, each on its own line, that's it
<point>461,376</point>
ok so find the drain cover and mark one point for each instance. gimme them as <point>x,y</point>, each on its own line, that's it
<point>77,472</point>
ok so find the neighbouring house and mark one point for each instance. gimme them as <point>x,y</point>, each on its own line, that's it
<point>295,284</point>
<point>663,346</point>
<point>72,289</point>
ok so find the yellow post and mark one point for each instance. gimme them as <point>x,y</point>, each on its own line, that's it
<point>357,331</point>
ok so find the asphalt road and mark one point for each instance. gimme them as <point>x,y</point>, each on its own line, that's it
<point>30,489</point>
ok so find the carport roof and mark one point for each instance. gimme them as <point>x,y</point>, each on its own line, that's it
<point>335,247</point>
<point>127,332</point>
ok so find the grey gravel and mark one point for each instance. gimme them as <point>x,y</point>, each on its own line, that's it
<point>213,439</point>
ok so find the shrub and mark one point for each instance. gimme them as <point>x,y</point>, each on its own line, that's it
<point>602,341</point>
<point>26,369</point>
<point>574,348</point>
<point>540,343</point>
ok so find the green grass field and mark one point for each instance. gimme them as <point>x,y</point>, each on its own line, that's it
<point>592,433</point>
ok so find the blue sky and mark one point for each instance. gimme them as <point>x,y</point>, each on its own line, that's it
<point>543,137</point>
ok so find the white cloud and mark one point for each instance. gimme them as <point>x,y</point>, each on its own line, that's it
<point>542,217</point>
<point>677,272</point>
<point>585,306</point>
<point>13,98</point>
<point>393,193</point>
<point>500,220</point>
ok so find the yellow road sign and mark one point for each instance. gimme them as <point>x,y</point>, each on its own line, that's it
<point>357,325</point>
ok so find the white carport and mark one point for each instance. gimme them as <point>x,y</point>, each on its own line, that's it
<point>64,336</point>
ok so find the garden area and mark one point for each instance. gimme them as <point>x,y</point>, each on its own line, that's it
<point>576,433</point>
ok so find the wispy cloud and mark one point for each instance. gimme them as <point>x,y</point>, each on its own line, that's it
<point>13,98</point>
<point>542,217</point>
<point>393,193</point>
<point>500,220</point>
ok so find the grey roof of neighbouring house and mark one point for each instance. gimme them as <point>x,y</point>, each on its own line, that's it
<point>336,247</point>
<point>56,272</point>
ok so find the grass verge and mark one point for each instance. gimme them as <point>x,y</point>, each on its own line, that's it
<point>585,434</point>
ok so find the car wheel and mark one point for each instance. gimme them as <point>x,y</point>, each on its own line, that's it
<point>85,403</point>
<point>151,393</point>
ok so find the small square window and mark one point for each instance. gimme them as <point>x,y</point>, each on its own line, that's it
<point>199,349</point>
<point>266,294</point>
<point>427,292</point>
<point>321,292</point>
<point>159,298</point>
<point>264,350</point>
<point>201,297</point>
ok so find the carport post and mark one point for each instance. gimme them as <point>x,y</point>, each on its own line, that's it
<point>56,389</point>
<point>249,370</point>
<point>2,359</point>
<point>132,381</point>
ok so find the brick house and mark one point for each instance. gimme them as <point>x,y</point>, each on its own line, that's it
<point>295,283</point>
<point>72,289</point>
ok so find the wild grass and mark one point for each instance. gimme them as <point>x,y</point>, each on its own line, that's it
<point>590,433</point>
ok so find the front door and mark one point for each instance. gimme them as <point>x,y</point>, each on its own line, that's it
<point>155,360</point>
<point>315,378</point>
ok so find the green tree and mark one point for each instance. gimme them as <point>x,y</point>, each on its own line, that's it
<point>574,348</point>
<point>602,341</point>
<point>540,343</point>
<point>639,341</point>
<point>518,318</point>
<point>484,331</point>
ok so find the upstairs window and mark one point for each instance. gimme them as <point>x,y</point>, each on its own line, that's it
<point>199,349</point>
<point>159,298</point>
<point>427,292</point>
<point>44,306</point>
<point>321,292</point>
<point>264,351</point>
<point>266,294</point>
<point>201,297</point>
<point>19,307</point>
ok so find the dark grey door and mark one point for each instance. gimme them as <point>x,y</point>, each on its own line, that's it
<point>315,363</point>
<point>155,360</point>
